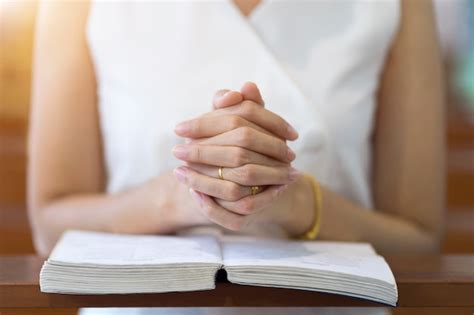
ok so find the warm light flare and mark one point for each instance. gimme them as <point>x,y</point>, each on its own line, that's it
<point>17,8</point>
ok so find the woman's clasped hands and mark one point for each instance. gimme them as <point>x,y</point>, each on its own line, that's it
<point>238,164</point>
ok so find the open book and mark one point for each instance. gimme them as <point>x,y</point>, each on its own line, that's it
<point>101,263</point>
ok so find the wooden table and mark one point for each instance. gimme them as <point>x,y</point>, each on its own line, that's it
<point>423,281</point>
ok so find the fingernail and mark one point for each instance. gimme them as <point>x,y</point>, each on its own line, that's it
<point>180,173</point>
<point>291,155</point>
<point>196,196</point>
<point>292,132</point>
<point>182,127</point>
<point>280,189</point>
<point>220,94</point>
<point>294,173</point>
<point>222,98</point>
<point>181,151</point>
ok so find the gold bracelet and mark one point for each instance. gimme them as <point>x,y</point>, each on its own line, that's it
<point>312,233</point>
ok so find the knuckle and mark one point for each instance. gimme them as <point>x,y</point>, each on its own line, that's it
<point>248,108</point>
<point>247,206</point>
<point>244,136</point>
<point>233,192</point>
<point>247,173</point>
<point>252,172</point>
<point>241,157</point>
<point>235,122</point>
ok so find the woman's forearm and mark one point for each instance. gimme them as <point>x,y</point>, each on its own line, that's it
<point>345,221</point>
<point>148,208</point>
<point>96,212</point>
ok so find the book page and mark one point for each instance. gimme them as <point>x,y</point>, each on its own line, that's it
<point>357,259</point>
<point>94,248</point>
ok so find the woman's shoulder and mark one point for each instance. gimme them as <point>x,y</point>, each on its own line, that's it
<point>62,21</point>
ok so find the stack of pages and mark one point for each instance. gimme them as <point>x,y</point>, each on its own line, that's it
<point>100,263</point>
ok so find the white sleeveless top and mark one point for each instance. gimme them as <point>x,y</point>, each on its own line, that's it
<point>317,64</point>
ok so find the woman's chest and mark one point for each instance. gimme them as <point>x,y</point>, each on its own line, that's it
<point>317,64</point>
<point>174,51</point>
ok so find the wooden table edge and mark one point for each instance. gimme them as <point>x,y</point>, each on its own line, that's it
<point>452,286</point>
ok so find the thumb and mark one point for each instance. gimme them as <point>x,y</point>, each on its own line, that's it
<point>251,92</point>
<point>226,98</point>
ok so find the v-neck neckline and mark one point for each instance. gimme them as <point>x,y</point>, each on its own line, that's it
<point>252,14</point>
<point>249,30</point>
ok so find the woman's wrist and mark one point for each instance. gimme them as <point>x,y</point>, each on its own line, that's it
<point>173,208</point>
<point>137,213</point>
<point>296,213</point>
<point>160,205</point>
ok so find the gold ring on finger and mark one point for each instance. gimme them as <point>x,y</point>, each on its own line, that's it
<point>255,190</point>
<point>221,173</point>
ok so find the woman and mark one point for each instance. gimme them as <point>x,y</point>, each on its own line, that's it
<point>354,88</point>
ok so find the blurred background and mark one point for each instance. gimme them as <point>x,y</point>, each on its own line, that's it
<point>17,20</point>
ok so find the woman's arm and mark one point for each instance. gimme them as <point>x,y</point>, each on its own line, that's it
<point>408,177</point>
<point>409,146</point>
<point>409,149</point>
<point>66,172</point>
